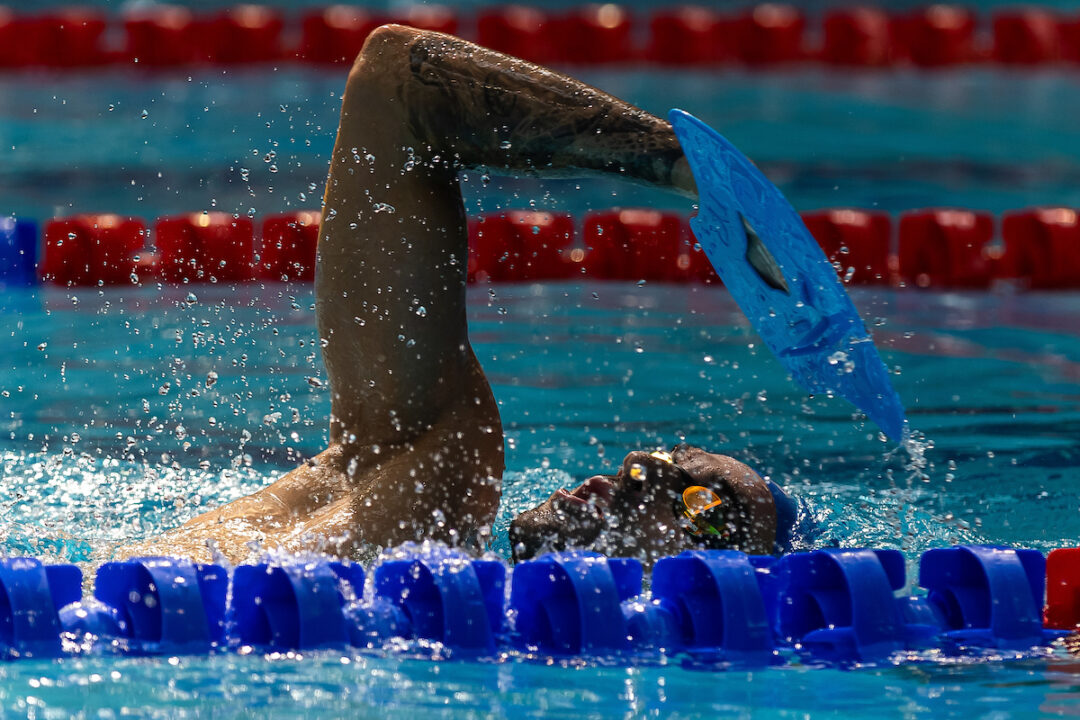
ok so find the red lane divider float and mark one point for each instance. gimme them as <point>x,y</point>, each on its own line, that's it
<point>690,35</point>
<point>522,246</point>
<point>857,242</point>
<point>63,38</point>
<point>335,34</point>
<point>771,34</point>
<point>938,36</point>
<point>246,33</point>
<point>858,37</point>
<point>1070,39</point>
<point>93,250</point>
<point>1062,610</point>
<point>161,36</point>
<point>525,32</point>
<point>1030,36</point>
<point>643,245</point>
<point>761,35</point>
<point>945,248</point>
<point>288,247</point>
<point>595,34</point>
<point>934,248</point>
<point>1043,247</point>
<point>205,247</point>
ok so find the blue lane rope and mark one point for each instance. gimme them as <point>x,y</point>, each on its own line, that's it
<point>18,251</point>
<point>720,608</point>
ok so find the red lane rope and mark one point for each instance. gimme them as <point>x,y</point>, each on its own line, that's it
<point>763,35</point>
<point>1035,248</point>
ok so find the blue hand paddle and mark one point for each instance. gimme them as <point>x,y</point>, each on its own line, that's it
<point>781,279</point>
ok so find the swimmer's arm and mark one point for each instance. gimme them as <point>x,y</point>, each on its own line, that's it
<point>478,108</point>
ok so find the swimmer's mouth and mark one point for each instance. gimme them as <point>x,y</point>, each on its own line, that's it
<point>569,518</point>
<point>596,492</point>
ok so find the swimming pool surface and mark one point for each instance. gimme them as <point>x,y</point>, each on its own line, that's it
<point>110,431</point>
<point>125,411</point>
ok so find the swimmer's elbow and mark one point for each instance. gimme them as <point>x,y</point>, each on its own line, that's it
<point>386,44</point>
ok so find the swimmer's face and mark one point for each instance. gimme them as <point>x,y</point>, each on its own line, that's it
<point>641,512</point>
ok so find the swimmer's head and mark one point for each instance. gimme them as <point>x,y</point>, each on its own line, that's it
<point>657,505</point>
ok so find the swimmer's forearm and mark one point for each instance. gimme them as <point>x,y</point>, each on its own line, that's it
<point>490,110</point>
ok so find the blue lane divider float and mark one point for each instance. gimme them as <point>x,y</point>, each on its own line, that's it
<point>715,600</point>
<point>30,604</point>
<point>841,605</point>
<point>18,251</point>
<point>447,598</point>
<point>988,597</point>
<point>297,606</point>
<point>717,607</point>
<point>570,603</point>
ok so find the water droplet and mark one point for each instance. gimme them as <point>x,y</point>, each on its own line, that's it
<point>144,114</point>
<point>191,299</point>
<point>421,311</point>
<point>211,378</point>
<point>314,382</point>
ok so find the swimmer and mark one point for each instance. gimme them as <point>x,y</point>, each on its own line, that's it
<point>416,442</point>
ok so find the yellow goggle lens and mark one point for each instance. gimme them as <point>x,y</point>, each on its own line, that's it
<point>697,499</point>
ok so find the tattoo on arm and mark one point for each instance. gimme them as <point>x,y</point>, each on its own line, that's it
<point>491,110</point>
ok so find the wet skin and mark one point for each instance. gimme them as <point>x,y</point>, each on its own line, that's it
<point>416,444</point>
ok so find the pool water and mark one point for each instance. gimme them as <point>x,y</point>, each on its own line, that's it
<point>110,431</point>
<point>257,141</point>
<point>124,411</point>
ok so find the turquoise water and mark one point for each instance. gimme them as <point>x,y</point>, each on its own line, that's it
<point>91,454</point>
<point>125,411</point>
<point>256,142</point>
<point>109,388</point>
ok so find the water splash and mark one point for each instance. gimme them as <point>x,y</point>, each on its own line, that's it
<point>70,507</point>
